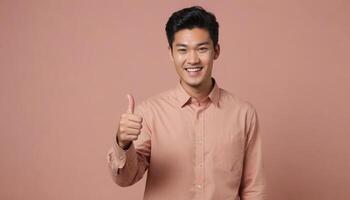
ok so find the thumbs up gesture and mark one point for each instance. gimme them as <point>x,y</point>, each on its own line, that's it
<point>129,125</point>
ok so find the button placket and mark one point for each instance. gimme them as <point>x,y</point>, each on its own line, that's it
<point>201,146</point>
<point>199,136</point>
<point>199,149</point>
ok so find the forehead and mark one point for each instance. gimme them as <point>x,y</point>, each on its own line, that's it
<point>192,37</point>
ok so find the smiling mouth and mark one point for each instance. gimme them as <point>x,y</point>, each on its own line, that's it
<point>193,69</point>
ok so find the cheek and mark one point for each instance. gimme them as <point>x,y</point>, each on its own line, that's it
<point>207,57</point>
<point>178,60</point>
<point>178,64</point>
<point>206,60</point>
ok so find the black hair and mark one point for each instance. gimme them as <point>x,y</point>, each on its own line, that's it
<point>192,17</point>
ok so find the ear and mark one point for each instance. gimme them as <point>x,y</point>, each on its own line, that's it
<point>170,54</point>
<point>217,51</point>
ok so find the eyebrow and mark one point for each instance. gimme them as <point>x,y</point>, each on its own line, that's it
<point>184,45</point>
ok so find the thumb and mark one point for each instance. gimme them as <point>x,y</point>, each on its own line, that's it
<point>131,104</point>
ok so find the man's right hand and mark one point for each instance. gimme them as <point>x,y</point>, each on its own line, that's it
<point>129,125</point>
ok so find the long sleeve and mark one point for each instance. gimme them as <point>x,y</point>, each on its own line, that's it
<point>128,166</point>
<point>253,183</point>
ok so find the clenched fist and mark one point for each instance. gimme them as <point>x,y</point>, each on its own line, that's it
<point>129,125</point>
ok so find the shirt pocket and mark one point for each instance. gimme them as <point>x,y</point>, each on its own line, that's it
<point>229,153</point>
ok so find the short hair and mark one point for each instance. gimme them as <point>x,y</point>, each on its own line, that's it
<point>192,17</point>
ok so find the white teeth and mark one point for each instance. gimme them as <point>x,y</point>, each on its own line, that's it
<point>194,69</point>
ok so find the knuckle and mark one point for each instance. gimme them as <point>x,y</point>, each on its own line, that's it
<point>122,122</point>
<point>122,129</point>
<point>137,117</point>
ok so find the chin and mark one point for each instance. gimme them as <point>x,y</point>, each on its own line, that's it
<point>194,84</point>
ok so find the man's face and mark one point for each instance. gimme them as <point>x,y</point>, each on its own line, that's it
<point>193,54</point>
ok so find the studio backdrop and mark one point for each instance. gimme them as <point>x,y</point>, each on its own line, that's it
<point>66,66</point>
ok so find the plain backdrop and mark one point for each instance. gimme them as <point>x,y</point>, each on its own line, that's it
<point>66,67</point>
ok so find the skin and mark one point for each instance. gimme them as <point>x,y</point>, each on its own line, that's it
<point>130,125</point>
<point>194,47</point>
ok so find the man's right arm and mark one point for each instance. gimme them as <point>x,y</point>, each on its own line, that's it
<point>128,159</point>
<point>128,166</point>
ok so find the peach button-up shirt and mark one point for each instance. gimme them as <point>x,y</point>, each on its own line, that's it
<point>194,150</point>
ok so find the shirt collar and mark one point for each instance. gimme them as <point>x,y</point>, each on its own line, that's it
<point>184,97</point>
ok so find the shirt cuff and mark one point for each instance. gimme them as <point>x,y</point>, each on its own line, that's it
<point>121,154</point>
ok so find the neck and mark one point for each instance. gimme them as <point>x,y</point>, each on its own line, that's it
<point>201,91</point>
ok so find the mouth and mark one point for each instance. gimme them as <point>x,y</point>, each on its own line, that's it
<point>193,69</point>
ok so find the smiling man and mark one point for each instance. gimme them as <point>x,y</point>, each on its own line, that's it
<point>197,140</point>
<point>193,52</point>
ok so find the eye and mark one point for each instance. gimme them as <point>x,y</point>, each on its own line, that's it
<point>182,50</point>
<point>203,49</point>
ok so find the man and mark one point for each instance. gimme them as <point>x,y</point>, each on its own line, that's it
<point>197,141</point>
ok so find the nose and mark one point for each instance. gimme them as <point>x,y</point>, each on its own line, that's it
<point>192,57</point>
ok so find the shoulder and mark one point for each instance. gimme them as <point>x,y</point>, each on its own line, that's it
<point>231,100</point>
<point>157,101</point>
<point>239,107</point>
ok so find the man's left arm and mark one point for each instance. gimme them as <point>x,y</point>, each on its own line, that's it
<point>253,183</point>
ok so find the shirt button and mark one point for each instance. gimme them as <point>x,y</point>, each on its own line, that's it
<point>199,186</point>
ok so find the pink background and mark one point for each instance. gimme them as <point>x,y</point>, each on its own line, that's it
<point>67,65</point>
